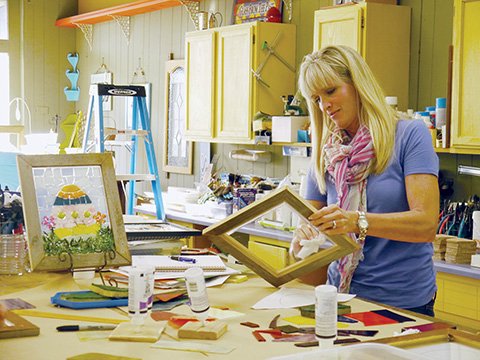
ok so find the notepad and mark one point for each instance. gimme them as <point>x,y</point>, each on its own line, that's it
<point>165,263</point>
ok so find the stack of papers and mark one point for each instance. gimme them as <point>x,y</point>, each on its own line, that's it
<point>167,268</point>
<point>460,251</point>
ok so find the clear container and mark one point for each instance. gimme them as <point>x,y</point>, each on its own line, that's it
<point>13,254</point>
<point>356,352</point>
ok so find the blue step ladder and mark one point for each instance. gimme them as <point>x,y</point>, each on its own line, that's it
<point>140,128</point>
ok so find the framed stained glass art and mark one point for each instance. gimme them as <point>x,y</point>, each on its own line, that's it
<point>72,211</point>
<point>177,152</point>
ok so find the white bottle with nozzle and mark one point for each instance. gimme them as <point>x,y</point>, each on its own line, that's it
<point>326,315</point>
<point>197,292</point>
<point>140,293</point>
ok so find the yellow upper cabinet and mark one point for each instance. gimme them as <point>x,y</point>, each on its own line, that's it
<point>379,32</point>
<point>233,72</point>
<point>465,119</point>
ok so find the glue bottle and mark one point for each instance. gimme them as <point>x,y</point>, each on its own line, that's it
<point>197,292</point>
<point>325,315</point>
<point>140,293</point>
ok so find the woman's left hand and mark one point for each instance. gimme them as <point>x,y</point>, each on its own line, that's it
<point>333,220</point>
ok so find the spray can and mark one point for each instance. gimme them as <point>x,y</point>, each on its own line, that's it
<point>326,315</point>
<point>441,112</point>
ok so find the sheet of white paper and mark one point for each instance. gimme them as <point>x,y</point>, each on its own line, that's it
<point>179,274</point>
<point>290,298</point>
<point>223,314</point>
<point>215,281</point>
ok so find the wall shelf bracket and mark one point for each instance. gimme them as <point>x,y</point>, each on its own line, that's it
<point>87,30</point>
<point>124,23</point>
<point>192,7</point>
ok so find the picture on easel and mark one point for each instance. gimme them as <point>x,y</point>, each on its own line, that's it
<point>74,218</point>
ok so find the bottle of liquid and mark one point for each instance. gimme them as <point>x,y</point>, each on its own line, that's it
<point>432,110</point>
<point>441,112</point>
<point>326,315</point>
<point>140,293</point>
<point>197,292</point>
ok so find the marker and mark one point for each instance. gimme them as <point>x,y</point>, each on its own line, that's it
<point>85,327</point>
<point>183,259</point>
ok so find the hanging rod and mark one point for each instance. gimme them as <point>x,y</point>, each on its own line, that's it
<point>468,170</point>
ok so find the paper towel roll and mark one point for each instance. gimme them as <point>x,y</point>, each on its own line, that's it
<point>476,225</point>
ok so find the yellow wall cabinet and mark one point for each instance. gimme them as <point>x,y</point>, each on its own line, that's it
<point>275,252</point>
<point>465,124</point>
<point>379,32</point>
<point>222,92</point>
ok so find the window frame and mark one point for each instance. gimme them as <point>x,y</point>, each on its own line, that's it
<point>12,46</point>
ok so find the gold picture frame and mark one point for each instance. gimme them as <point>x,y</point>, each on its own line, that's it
<point>177,152</point>
<point>72,211</point>
<point>429,338</point>
<point>219,234</point>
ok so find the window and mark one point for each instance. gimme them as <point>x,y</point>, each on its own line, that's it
<point>4,64</point>
<point>9,73</point>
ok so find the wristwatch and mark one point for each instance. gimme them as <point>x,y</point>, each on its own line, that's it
<point>362,224</point>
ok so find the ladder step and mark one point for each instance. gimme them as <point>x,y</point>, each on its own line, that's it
<point>118,143</point>
<point>136,177</point>
<point>130,132</point>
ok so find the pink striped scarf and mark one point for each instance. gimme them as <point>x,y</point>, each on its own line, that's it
<point>348,160</point>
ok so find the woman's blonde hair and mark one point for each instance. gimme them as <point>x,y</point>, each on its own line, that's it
<point>331,66</point>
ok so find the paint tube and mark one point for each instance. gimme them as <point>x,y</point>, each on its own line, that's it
<point>140,293</point>
<point>197,292</point>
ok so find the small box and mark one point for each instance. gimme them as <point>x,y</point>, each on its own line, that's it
<point>285,128</point>
<point>303,136</point>
<point>243,197</point>
<point>299,151</point>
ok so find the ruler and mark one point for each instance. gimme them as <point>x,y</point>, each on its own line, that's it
<point>51,315</point>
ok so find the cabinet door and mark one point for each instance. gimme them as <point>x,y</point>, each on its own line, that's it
<point>338,26</point>
<point>234,83</point>
<point>200,62</point>
<point>466,76</point>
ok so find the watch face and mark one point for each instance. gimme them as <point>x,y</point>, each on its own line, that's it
<point>363,223</point>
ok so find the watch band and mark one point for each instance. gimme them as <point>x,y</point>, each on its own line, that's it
<point>362,224</point>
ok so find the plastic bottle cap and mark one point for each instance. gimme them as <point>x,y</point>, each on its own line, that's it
<point>423,113</point>
<point>441,102</point>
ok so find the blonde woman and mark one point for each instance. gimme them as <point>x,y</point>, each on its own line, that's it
<point>374,176</point>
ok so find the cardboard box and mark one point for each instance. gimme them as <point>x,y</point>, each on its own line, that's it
<point>285,128</point>
<point>243,197</point>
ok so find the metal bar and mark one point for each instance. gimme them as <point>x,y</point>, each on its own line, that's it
<point>468,170</point>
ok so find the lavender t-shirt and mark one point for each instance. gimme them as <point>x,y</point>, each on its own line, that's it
<point>396,273</point>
